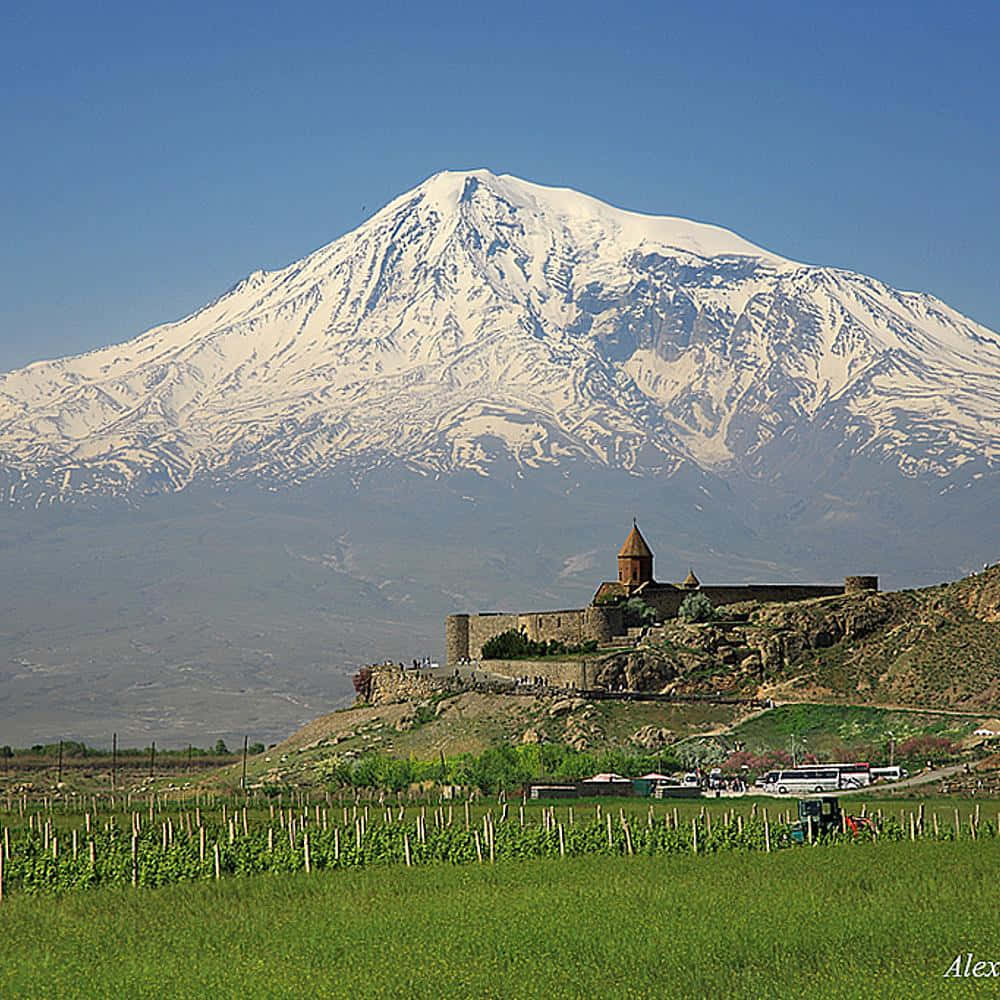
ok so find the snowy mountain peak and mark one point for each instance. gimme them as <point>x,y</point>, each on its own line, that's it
<point>480,319</point>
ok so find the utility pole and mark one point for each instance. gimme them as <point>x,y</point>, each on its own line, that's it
<point>114,759</point>
<point>243,780</point>
<point>152,757</point>
<point>59,779</point>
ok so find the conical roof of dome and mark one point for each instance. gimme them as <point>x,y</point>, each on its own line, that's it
<point>635,545</point>
<point>691,580</point>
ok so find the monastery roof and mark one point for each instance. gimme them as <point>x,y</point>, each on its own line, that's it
<point>635,544</point>
<point>691,580</point>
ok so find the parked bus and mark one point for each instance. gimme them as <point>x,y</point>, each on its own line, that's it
<point>891,773</point>
<point>819,778</point>
<point>805,779</point>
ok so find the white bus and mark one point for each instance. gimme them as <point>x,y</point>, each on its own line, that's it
<point>819,778</point>
<point>804,779</point>
<point>892,773</point>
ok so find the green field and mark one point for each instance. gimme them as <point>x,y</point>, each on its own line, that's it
<point>866,921</point>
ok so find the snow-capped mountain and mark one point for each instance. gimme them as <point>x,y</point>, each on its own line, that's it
<point>479,318</point>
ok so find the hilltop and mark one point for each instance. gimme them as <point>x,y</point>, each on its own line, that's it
<point>840,670</point>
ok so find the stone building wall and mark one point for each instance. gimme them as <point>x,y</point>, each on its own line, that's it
<point>391,683</point>
<point>559,673</point>
<point>777,593</point>
<point>483,627</point>
<point>465,634</point>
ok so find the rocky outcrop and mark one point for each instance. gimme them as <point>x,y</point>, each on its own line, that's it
<point>652,737</point>
<point>637,670</point>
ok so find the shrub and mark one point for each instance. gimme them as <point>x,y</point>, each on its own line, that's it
<point>514,645</point>
<point>637,613</point>
<point>696,608</point>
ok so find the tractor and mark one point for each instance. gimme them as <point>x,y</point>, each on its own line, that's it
<point>823,817</point>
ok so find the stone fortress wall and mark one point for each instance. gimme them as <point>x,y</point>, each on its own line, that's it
<point>603,622</point>
<point>465,634</point>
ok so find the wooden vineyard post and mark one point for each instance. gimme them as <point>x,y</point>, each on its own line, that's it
<point>934,821</point>
<point>336,843</point>
<point>958,826</point>
<point>270,840</point>
<point>406,848</point>
<point>135,860</point>
<point>1,876</point>
<point>93,857</point>
<point>767,832</point>
<point>694,834</point>
<point>74,844</point>
<point>218,866</point>
<point>610,841</point>
<point>809,829</point>
<point>628,837</point>
<point>913,828</point>
<point>201,844</point>
<point>479,848</point>
<point>562,843</point>
<point>305,852</point>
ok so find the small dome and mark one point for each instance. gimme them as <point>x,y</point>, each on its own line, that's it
<point>691,581</point>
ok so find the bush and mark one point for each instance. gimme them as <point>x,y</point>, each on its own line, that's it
<point>637,613</point>
<point>256,748</point>
<point>696,608</point>
<point>515,645</point>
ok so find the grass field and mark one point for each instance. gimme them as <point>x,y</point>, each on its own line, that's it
<point>848,921</point>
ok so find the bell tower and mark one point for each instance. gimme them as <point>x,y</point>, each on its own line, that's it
<point>635,560</point>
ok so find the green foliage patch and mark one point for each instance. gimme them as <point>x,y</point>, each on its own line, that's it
<point>867,922</point>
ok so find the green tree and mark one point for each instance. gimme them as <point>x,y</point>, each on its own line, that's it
<point>220,747</point>
<point>697,608</point>
<point>638,613</point>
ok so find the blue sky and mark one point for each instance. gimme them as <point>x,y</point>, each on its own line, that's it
<point>154,154</point>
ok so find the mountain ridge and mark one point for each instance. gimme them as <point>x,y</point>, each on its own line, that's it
<point>479,318</point>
